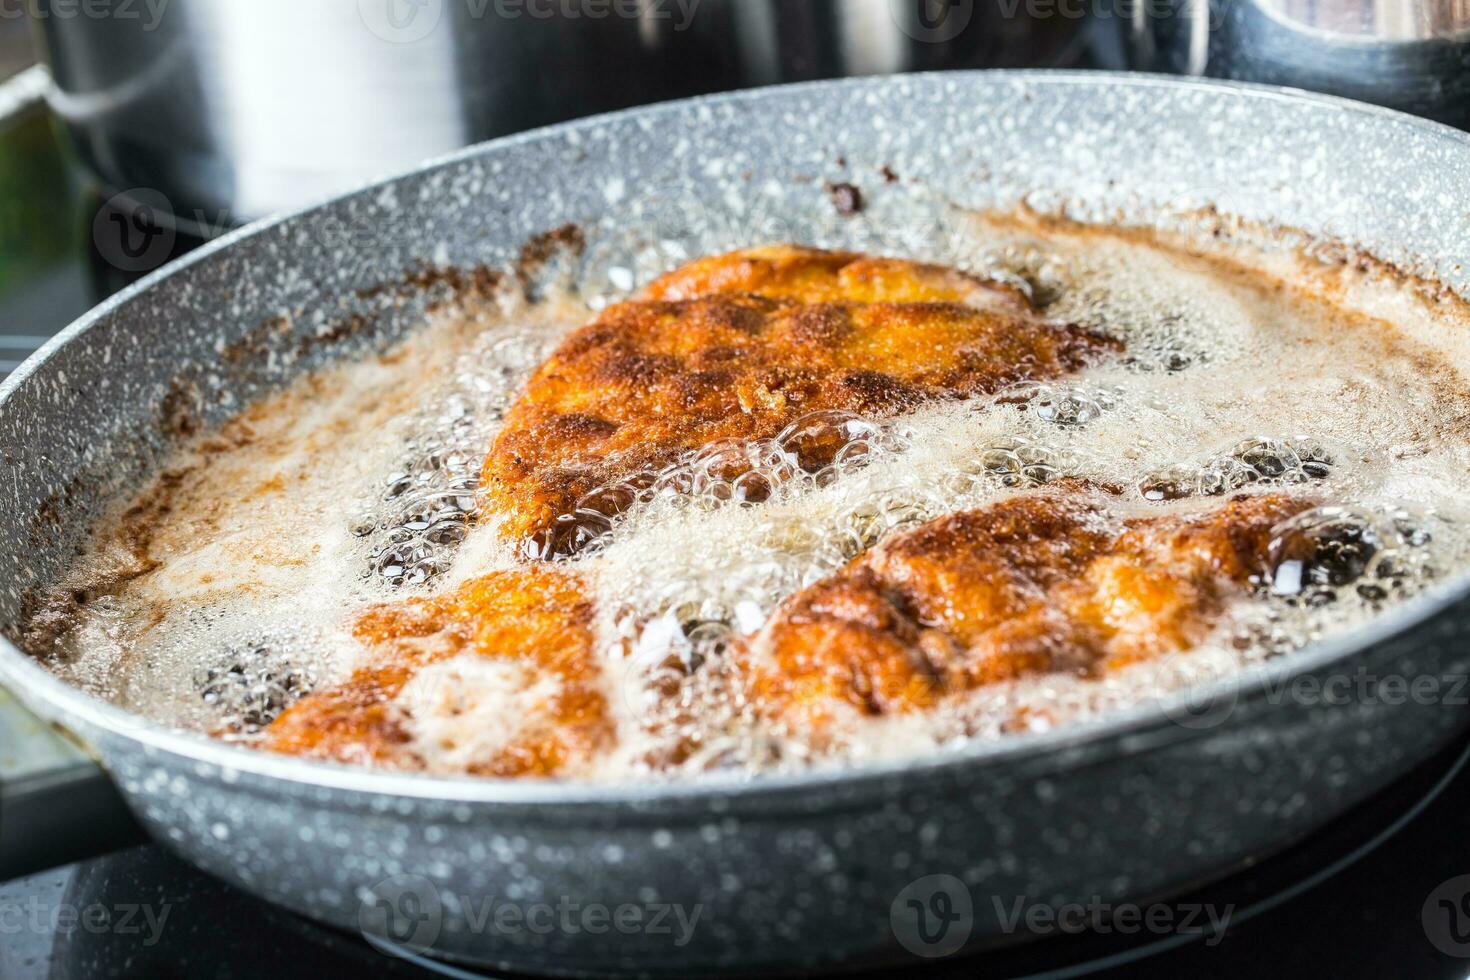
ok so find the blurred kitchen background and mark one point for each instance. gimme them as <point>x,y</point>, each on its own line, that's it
<point>200,115</point>
<point>15,46</point>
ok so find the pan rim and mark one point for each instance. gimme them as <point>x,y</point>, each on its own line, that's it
<point>60,702</point>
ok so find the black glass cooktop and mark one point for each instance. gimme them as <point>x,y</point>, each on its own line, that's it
<point>1383,892</point>
<point>1377,894</point>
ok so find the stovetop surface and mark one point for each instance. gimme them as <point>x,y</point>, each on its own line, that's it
<point>1375,894</point>
<point>1359,898</point>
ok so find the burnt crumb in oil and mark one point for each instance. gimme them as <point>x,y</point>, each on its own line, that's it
<point>846,198</point>
<point>538,251</point>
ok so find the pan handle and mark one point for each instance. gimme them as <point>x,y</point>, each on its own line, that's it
<point>57,805</point>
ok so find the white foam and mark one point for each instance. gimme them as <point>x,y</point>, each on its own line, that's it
<point>461,713</point>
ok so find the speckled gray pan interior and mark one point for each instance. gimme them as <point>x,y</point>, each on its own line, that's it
<point>786,871</point>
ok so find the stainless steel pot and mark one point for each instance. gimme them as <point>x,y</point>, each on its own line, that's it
<point>1412,55</point>
<point>786,872</point>
<point>235,110</point>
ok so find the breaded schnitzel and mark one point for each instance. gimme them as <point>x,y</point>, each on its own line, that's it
<point>1034,584</point>
<point>524,637</point>
<point>739,346</point>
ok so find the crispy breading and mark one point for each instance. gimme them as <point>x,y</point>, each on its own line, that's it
<point>1042,583</point>
<point>739,346</point>
<point>812,275</point>
<point>538,619</point>
<point>1035,584</point>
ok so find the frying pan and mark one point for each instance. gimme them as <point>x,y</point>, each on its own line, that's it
<point>783,872</point>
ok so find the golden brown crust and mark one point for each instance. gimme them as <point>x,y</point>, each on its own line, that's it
<point>1051,582</point>
<point>812,275</point>
<point>739,346</point>
<point>538,617</point>
<point>1031,585</point>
